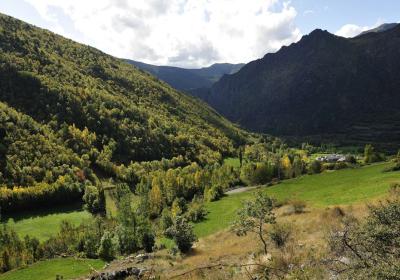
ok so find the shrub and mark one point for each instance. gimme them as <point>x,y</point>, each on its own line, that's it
<point>109,246</point>
<point>298,206</point>
<point>370,155</point>
<point>351,159</point>
<point>178,206</point>
<point>213,193</point>
<point>368,249</point>
<point>182,233</point>
<point>166,220</point>
<point>340,165</point>
<point>94,203</point>
<point>148,241</point>
<point>394,190</point>
<point>280,234</point>
<point>315,167</point>
<point>338,212</point>
<point>196,212</point>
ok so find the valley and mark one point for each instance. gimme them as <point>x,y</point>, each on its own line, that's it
<point>286,167</point>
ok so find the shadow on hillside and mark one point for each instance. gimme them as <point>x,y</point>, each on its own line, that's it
<point>22,215</point>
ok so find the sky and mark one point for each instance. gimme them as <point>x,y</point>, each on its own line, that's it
<point>198,33</point>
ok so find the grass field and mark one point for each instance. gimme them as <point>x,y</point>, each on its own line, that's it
<point>69,268</point>
<point>44,224</point>
<point>234,162</point>
<point>329,188</point>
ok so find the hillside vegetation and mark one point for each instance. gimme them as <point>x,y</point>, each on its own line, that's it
<point>70,113</point>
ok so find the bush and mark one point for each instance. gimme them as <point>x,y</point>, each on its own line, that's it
<point>165,220</point>
<point>314,167</point>
<point>371,156</point>
<point>182,233</point>
<point>340,165</point>
<point>213,193</point>
<point>298,206</point>
<point>109,246</point>
<point>148,241</point>
<point>351,159</point>
<point>178,206</point>
<point>394,190</point>
<point>196,212</point>
<point>371,247</point>
<point>338,212</point>
<point>94,203</point>
<point>280,234</point>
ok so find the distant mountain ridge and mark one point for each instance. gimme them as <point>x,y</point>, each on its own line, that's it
<point>381,28</point>
<point>188,79</point>
<point>324,88</point>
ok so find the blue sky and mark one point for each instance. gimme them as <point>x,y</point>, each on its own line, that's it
<point>332,15</point>
<point>195,33</point>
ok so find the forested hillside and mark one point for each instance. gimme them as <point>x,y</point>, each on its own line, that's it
<point>324,88</point>
<point>70,113</point>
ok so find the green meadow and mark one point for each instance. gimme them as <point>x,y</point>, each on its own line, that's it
<point>68,268</point>
<point>341,187</point>
<point>43,224</point>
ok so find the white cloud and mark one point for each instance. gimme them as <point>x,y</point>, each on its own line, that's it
<point>187,33</point>
<point>351,30</point>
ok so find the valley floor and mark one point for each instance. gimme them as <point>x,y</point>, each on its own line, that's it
<point>350,189</point>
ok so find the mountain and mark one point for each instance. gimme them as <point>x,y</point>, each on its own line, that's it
<point>188,80</point>
<point>380,28</point>
<point>69,111</point>
<point>324,88</point>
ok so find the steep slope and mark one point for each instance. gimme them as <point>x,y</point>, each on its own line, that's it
<point>90,110</point>
<point>188,80</point>
<point>323,88</point>
<point>380,28</point>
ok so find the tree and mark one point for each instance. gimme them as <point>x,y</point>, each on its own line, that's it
<point>287,167</point>
<point>253,217</point>
<point>182,233</point>
<point>213,193</point>
<point>370,155</point>
<point>196,211</point>
<point>297,166</point>
<point>178,207</point>
<point>166,219</point>
<point>94,200</point>
<point>263,173</point>
<point>241,156</point>
<point>155,198</point>
<point>109,246</point>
